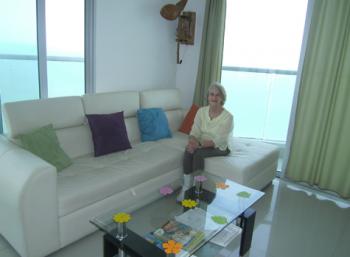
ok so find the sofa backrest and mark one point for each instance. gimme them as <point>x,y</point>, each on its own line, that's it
<point>67,114</point>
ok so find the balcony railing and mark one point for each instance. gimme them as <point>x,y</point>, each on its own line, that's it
<point>260,100</point>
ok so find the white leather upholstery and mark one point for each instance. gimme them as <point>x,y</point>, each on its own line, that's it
<point>22,117</point>
<point>168,99</point>
<point>175,118</point>
<point>132,128</point>
<point>92,179</point>
<point>127,200</point>
<point>247,159</point>
<point>104,103</point>
<point>28,201</point>
<point>76,141</point>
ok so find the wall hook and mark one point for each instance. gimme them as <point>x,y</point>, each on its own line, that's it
<point>178,61</point>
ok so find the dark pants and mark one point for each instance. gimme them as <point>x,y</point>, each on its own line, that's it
<point>195,161</point>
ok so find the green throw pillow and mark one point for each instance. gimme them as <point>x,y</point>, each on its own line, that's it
<point>43,142</point>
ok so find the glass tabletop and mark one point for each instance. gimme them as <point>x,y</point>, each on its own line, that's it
<point>219,203</point>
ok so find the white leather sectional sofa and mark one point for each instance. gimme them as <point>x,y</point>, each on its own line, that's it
<point>42,210</point>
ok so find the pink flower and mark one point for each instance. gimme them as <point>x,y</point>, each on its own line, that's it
<point>200,178</point>
<point>166,190</point>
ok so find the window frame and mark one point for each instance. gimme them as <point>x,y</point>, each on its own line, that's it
<point>89,23</point>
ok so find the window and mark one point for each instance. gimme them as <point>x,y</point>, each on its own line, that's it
<point>42,48</point>
<point>261,55</point>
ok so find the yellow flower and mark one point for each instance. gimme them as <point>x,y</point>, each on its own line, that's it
<point>221,185</point>
<point>121,217</point>
<point>172,247</point>
<point>189,203</point>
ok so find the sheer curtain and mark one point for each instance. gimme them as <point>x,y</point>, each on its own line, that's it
<point>210,60</point>
<point>319,153</point>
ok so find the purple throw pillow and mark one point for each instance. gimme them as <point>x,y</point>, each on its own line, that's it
<point>108,133</point>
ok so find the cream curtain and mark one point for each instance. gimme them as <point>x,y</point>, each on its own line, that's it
<point>320,146</point>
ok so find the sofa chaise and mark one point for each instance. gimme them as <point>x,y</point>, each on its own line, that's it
<point>42,210</point>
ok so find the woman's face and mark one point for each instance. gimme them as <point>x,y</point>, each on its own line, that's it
<point>214,97</point>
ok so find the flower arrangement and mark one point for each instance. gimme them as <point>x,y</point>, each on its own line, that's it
<point>121,217</point>
<point>172,247</point>
<point>222,185</point>
<point>188,203</point>
<point>166,190</point>
<point>200,178</point>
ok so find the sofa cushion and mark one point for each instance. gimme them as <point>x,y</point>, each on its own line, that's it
<point>43,142</point>
<point>110,102</point>
<point>108,133</point>
<point>91,179</point>
<point>248,158</point>
<point>178,141</point>
<point>187,123</point>
<point>153,124</point>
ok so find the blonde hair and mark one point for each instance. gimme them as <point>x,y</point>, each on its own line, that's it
<point>220,88</point>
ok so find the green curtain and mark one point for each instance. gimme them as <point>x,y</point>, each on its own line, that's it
<point>320,146</point>
<point>210,60</point>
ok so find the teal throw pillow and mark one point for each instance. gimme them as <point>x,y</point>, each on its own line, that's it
<point>153,124</point>
<point>43,142</point>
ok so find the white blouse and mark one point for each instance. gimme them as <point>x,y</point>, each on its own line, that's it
<point>218,129</point>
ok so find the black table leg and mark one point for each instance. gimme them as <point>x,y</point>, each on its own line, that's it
<point>110,248</point>
<point>247,225</point>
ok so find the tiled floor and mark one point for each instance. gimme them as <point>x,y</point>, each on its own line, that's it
<point>291,222</point>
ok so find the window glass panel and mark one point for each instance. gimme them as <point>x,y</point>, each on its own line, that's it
<point>18,27</point>
<point>264,33</point>
<point>260,102</point>
<point>72,83</point>
<point>65,47</point>
<point>18,51</point>
<point>261,56</point>
<point>281,91</point>
<point>245,92</point>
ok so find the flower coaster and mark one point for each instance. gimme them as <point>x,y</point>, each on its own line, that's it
<point>219,219</point>
<point>121,217</point>
<point>166,190</point>
<point>222,185</point>
<point>243,194</point>
<point>172,246</point>
<point>188,203</point>
<point>200,178</point>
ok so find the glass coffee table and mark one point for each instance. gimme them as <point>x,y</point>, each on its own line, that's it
<point>220,203</point>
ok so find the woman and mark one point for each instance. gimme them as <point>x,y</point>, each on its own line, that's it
<point>209,136</point>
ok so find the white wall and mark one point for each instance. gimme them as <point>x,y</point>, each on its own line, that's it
<point>135,47</point>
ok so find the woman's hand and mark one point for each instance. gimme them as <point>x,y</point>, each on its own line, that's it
<point>208,143</point>
<point>192,145</point>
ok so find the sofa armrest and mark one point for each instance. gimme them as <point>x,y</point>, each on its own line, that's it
<point>28,201</point>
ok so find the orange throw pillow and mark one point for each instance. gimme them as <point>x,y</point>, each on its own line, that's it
<point>187,123</point>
